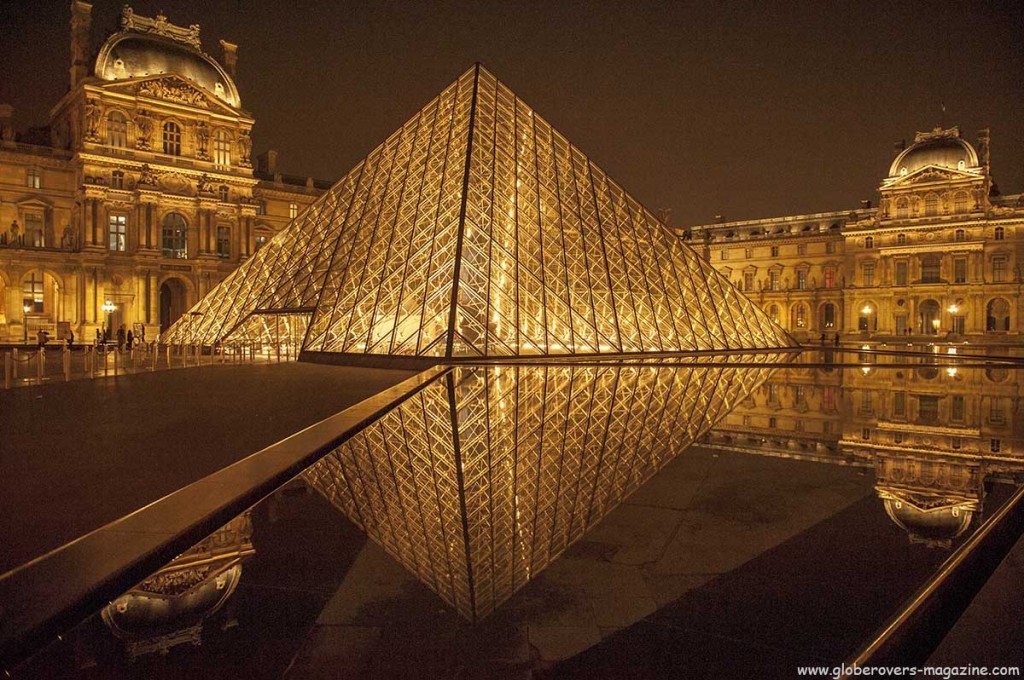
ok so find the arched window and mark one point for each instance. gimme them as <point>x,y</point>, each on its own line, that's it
<point>929,312</point>
<point>931,205</point>
<point>867,321</point>
<point>172,139</point>
<point>222,148</point>
<point>960,202</point>
<point>799,315</point>
<point>997,315</point>
<point>773,312</point>
<point>902,207</point>
<point>175,236</point>
<point>960,235</point>
<point>222,193</point>
<point>901,239</point>
<point>828,316</point>
<point>117,130</point>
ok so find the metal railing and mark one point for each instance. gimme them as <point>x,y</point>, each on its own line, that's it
<point>37,366</point>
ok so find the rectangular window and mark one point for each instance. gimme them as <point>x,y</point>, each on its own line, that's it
<point>930,269</point>
<point>223,242</point>
<point>928,413</point>
<point>33,291</point>
<point>902,269</point>
<point>34,230</point>
<point>828,398</point>
<point>865,433</point>
<point>830,277</point>
<point>957,410</point>
<point>748,281</point>
<point>293,211</point>
<point>773,422</point>
<point>775,251</point>
<point>118,234</point>
<point>956,443</point>
<point>995,412</point>
<point>830,247</point>
<point>826,427</point>
<point>746,421</point>
<point>773,280</point>
<point>261,207</point>
<point>899,405</point>
<point>995,446</point>
<point>999,269</point>
<point>865,403</point>
<point>222,149</point>
<point>748,253</point>
<point>801,279</point>
<point>117,179</point>
<point>869,274</point>
<point>801,249</point>
<point>33,179</point>
<point>724,253</point>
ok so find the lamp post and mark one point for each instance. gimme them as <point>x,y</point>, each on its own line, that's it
<point>24,322</point>
<point>108,308</point>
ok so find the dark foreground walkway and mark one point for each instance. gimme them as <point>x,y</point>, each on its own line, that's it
<point>75,456</point>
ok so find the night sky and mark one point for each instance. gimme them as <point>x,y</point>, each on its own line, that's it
<point>748,110</point>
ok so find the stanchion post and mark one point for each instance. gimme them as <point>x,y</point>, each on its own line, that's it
<point>67,364</point>
<point>7,370</point>
<point>39,366</point>
<point>15,363</point>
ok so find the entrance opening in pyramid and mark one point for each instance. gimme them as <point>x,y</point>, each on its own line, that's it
<point>477,230</point>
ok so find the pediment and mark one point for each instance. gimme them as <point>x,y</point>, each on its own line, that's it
<point>934,173</point>
<point>172,88</point>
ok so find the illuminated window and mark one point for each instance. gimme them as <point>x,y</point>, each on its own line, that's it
<point>175,236</point>
<point>869,242</point>
<point>828,315</point>
<point>117,130</point>
<point>1000,233</point>
<point>773,280</point>
<point>33,180</point>
<point>117,179</point>
<point>222,193</point>
<point>34,230</point>
<point>223,242</point>
<point>800,316</point>
<point>172,139</point>
<point>117,233</point>
<point>960,235</point>
<point>901,239</point>
<point>773,312</point>
<point>960,270</point>
<point>869,273</point>
<point>33,292</point>
<point>902,269</point>
<point>222,148</point>
<point>931,205</point>
<point>830,277</point>
<point>997,315</point>
<point>801,279</point>
<point>293,211</point>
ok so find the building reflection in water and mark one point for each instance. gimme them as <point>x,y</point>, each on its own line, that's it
<point>169,607</point>
<point>934,434</point>
<point>484,477</point>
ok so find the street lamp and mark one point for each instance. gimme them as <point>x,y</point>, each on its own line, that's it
<point>108,308</point>
<point>24,322</point>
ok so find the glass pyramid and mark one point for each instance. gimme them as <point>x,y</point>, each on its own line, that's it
<point>484,477</point>
<point>477,230</point>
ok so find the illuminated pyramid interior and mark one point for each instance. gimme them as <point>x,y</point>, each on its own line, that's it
<point>477,230</point>
<point>487,475</point>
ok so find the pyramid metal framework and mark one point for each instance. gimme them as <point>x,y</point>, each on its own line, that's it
<point>488,474</point>
<point>477,230</point>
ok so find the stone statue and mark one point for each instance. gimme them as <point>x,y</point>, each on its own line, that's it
<point>146,175</point>
<point>202,139</point>
<point>205,184</point>
<point>15,230</point>
<point>145,126</point>
<point>92,121</point>
<point>245,147</point>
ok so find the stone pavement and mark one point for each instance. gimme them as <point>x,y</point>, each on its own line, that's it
<point>74,456</point>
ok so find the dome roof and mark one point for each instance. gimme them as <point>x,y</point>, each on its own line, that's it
<point>936,526</point>
<point>135,55</point>
<point>944,148</point>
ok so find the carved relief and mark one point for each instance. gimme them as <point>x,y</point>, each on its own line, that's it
<point>130,21</point>
<point>166,88</point>
<point>146,176</point>
<point>175,183</point>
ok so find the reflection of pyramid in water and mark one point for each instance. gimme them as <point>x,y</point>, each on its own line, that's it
<point>479,481</point>
<point>478,230</point>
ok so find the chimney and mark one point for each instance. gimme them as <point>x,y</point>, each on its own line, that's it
<point>266,162</point>
<point>6,123</point>
<point>865,204</point>
<point>81,24</point>
<point>230,57</point>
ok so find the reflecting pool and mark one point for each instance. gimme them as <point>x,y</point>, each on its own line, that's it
<point>697,518</point>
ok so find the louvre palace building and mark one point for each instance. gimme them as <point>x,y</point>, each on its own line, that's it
<point>940,258</point>
<point>140,194</point>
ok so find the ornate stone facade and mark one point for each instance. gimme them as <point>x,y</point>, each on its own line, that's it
<point>940,258</point>
<point>141,195</point>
